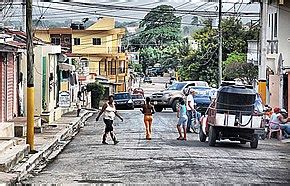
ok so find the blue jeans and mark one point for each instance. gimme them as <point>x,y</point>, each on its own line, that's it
<point>285,128</point>
<point>189,121</point>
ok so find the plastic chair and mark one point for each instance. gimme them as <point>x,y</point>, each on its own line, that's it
<point>278,130</point>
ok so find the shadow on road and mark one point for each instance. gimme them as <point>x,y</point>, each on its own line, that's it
<point>196,143</point>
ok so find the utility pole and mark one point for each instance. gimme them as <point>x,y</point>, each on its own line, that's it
<point>220,45</point>
<point>30,77</point>
<point>263,51</point>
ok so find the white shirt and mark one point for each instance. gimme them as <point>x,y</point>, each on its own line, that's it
<point>189,98</point>
<point>110,112</point>
<point>274,118</point>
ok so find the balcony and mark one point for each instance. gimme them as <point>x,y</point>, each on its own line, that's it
<point>272,46</point>
<point>116,49</point>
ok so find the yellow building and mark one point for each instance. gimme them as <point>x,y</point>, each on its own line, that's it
<point>100,44</point>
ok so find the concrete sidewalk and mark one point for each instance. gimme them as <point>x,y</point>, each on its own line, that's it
<point>48,144</point>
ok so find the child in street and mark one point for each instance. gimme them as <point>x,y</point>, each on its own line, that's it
<point>148,111</point>
<point>110,112</point>
<point>182,121</point>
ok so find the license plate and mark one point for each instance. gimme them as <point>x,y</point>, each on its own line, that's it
<point>155,102</point>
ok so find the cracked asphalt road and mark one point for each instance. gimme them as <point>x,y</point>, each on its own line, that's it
<point>163,160</point>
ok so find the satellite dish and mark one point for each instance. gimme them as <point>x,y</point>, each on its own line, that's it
<point>61,58</point>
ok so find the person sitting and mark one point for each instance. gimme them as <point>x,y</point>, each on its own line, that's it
<point>285,126</point>
<point>276,123</point>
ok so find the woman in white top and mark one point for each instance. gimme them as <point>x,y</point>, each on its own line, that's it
<point>110,112</point>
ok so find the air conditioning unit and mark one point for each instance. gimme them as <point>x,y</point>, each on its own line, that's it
<point>281,2</point>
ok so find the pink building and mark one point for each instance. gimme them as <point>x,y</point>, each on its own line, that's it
<point>9,97</point>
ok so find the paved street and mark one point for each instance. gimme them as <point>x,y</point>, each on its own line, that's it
<point>164,159</point>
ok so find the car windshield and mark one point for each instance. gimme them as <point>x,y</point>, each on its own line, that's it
<point>177,86</point>
<point>202,91</point>
<point>137,97</point>
<point>122,96</point>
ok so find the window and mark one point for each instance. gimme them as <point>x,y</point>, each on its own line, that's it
<point>77,41</point>
<point>272,27</point>
<point>55,40</point>
<point>97,41</point>
<point>275,24</point>
<point>67,40</point>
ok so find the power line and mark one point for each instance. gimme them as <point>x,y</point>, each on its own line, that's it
<point>144,9</point>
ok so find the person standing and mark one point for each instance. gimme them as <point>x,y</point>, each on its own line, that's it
<point>79,105</point>
<point>110,112</point>
<point>182,121</point>
<point>148,111</point>
<point>190,109</point>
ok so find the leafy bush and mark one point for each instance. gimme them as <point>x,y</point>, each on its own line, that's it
<point>97,92</point>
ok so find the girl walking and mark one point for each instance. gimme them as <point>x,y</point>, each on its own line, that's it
<point>182,121</point>
<point>148,111</point>
<point>110,112</point>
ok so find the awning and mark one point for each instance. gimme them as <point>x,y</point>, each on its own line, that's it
<point>66,67</point>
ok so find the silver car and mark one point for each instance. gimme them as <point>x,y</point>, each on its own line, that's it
<point>138,100</point>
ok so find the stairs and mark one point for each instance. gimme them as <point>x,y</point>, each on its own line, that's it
<point>12,151</point>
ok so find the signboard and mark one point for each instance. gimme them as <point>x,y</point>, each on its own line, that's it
<point>64,99</point>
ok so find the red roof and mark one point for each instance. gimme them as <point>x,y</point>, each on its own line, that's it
<point>17,44</point>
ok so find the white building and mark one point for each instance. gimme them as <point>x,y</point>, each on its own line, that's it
<point>278,53</point>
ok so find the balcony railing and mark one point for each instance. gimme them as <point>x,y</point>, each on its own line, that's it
<point>272,46</point>
<point>116,50</point>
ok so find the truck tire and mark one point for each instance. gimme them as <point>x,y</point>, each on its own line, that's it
<point>254,143</point>
<point>202,136</point>
<point>212,136</point>
<point>175,105</point>
<point>158,109</point>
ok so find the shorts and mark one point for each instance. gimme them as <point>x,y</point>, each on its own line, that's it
<point>109,125</point>
<point>182,121</point>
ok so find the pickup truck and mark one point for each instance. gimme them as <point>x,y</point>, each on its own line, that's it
<point>169,97</point>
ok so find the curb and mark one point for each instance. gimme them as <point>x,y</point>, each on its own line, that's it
<point>43,156</point>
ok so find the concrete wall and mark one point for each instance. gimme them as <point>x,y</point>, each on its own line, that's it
<point>284,33</point>
<point>105,23</point>
<point>43,35</point>
<point>42,53</point>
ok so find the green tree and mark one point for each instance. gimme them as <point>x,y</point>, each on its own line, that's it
<point>202,64</point>
<point>236,67</point>
<point>159,29</point>
<point>97,92</point>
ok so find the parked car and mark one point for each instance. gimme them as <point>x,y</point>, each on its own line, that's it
<point>170,96</point>
<point>138,100</point>
<point>202,98</point>
<point>123,100</point>
<point>138,91</point>
<point>147,80</point>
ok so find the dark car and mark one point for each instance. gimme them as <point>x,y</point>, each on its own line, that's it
<point>138,100</point>
<point>147,80</point>
<point>123,100</point>
<point>202,98</point>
